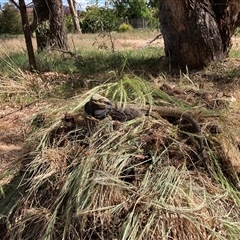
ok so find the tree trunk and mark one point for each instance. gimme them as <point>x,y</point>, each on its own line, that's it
<point>197,32</point>
<point>73,11</point>
<point>58,30</point>
<point>49,24</point>
<point>27,33</point>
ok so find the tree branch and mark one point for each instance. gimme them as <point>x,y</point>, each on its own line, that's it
<point>15,4</point>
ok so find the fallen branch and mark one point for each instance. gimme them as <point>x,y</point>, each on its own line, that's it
<point>65,52</point>
<point>159,36</point>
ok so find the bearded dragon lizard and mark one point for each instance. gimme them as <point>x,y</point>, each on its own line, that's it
<point>100,107</point>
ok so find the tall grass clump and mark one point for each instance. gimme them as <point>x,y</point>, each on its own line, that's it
<point>12,63</point>
<point>22,89</point>
<point>81,178</point>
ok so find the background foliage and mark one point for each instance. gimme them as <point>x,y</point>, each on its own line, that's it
<point>10,20</point>
<point>93,19</point>
<point>97,19</point>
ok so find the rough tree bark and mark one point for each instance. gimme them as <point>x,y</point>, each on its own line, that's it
<point>197,32</point>
<point>27,33</point>
<point>49,24</point>
<point>58,30</point>
<point>73,11</point>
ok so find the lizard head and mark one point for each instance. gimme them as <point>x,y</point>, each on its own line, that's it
<point>98,106</point>
<point>99,102</point>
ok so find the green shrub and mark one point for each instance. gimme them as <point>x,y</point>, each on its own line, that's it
<point>10,20</point>
<point>237,31</point>
<point>69,23</point>
<point>124,27</point>
<point>99,20</point>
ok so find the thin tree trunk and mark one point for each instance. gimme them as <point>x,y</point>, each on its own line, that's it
<point>197,32</point>
<point>27,34</point>
<point>73,11</point>
<point>58,30</point>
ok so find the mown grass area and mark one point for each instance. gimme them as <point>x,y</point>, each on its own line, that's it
<point>81,178</point>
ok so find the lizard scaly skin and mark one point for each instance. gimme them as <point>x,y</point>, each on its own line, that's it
<point>131,111</point>
<point>101,107</point>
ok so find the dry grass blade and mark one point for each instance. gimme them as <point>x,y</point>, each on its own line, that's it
<point>139,179</point>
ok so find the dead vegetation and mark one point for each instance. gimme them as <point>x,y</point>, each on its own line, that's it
<point>75,177</point>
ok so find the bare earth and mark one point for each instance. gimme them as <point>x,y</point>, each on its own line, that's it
<point>14,127</point>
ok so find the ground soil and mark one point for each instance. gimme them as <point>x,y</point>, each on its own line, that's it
<point>15,125</point>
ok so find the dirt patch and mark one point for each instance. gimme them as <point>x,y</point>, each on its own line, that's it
<point>15,126</point>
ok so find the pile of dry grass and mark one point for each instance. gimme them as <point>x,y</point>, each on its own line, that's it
<point>81,178</point>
